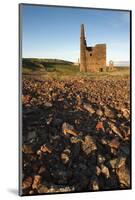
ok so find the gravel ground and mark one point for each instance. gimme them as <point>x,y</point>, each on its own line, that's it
<point>76,135</point>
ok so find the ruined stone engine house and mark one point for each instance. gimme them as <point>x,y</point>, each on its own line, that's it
<point>92,59</point>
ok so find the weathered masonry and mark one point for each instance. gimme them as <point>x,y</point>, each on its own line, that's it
<point>92,59</point>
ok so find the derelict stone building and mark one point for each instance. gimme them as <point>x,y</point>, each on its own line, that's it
<point>92,59</point>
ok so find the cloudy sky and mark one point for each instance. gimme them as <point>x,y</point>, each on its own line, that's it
<point>54,32</point>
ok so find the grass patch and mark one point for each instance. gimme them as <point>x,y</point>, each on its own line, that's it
<point>59,69</point>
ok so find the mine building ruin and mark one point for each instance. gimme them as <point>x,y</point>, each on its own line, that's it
<point>92,59</point>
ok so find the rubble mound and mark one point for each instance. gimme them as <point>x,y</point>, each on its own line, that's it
<point>76,135</point>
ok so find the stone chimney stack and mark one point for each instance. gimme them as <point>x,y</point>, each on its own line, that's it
<point>82,50</point>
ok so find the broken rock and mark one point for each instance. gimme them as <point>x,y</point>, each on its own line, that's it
<point>105,171</point>
<point>88,145</point>
<point>114,143</point>
<point>48,105</point>
<point>94,184</point>
<point>27,149</point>
<point>100,126</point>
<point>68,129</point>
<point>36,182</point>
<point>27,183</point>
<point>99,112</point>
<point>125,113</point>
<point>64,158</point>
<point>124,176</point>
<point>88,107</point>
<point>45,149</point>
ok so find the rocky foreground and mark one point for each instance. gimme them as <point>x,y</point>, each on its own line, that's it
<point>76,135</point>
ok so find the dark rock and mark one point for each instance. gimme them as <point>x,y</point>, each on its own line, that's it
<point>125,148</point>
<point>75,151</point>
<point>82,166</point>
<point>61,175</point>
<point>81,183</point>
<point>41,170</point>
<point>57,122</point>
<point>31,135</point>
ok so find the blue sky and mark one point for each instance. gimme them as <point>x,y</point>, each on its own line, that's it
<point>54,32</point>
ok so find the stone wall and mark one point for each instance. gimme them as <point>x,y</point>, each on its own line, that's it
<point>92,59</point>
<point>96,58</point>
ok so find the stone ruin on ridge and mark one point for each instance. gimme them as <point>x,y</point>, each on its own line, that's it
<point>92,59</point>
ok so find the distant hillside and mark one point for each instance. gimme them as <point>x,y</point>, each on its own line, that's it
<point>40,64</point>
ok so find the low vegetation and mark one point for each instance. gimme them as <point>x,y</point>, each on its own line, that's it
<point>60,69</point>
